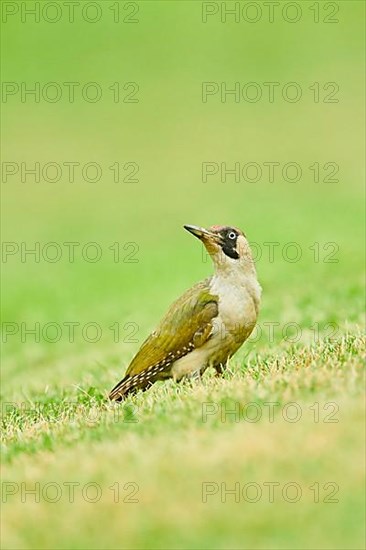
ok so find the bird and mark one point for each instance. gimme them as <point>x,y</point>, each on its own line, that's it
<point>207,324</point>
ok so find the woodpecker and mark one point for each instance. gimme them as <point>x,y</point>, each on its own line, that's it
<point>208,323</point>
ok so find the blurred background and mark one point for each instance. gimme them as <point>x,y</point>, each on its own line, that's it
<point>161,142</point>
<point>149,140</point>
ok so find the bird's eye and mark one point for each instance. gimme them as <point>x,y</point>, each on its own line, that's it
<point>232,235</point>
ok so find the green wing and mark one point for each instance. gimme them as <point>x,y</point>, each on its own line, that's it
<point>186,326</point>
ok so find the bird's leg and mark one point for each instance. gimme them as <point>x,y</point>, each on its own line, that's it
<point>195,375</point>
<point>219,368</point>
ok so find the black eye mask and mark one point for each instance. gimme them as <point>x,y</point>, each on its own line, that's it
<point>229,245</point>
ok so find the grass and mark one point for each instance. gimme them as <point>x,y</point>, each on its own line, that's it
<point>288,415</point>
<point>293,417</point>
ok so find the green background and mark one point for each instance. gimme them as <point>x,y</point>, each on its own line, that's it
<point>169,133</point>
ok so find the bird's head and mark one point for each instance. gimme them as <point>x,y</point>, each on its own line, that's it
<point>227,246</point>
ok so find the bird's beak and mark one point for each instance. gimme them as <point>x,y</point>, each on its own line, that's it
<point>202,233</point>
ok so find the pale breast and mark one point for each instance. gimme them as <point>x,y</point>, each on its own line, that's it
<point>238,310</point>
<point>238,302</point>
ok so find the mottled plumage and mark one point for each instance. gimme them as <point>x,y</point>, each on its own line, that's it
<point>207,324</point>
<point>185,327</point>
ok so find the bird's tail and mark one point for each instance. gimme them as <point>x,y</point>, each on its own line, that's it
<point>128,385</point>
<point>121,390</point>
